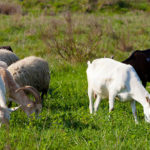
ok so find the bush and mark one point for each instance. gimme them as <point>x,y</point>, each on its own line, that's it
<point>68,46</point>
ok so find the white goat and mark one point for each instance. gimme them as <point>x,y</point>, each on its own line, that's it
<point>4,111</point>
<point>110,78</point>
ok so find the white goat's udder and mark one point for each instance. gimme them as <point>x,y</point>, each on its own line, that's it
<point>123,97</point>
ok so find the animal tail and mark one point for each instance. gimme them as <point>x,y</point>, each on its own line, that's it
<point>88,63</point>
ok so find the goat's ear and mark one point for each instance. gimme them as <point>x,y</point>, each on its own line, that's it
<point>148,100</point>
<point>14,108</point>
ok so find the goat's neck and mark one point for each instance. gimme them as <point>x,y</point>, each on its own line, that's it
<point>137,90</point>
<point>141,96</point>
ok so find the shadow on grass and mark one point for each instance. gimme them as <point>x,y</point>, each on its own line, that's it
<point>77,125</point>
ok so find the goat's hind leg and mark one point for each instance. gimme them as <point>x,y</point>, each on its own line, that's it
<point>112,94</point>
<point>96,104</point>
<point>111,101</point>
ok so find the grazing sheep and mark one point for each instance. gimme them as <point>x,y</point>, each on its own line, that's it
<point>110,78</point>
<point>8,57</point>
<point>33,71</point>
<point>6,48</point>
<point>18,95</point>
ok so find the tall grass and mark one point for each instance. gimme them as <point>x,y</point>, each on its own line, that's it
<point>10,8</point>
<point>74,45</point>
<point>77,37</point>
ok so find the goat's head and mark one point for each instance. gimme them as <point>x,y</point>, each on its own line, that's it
<point>32,106</point>
<point>147,110</point>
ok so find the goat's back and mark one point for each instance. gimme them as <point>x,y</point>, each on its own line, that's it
<point>107,72</point>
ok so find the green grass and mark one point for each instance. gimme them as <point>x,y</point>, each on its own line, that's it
<point>65,121</point>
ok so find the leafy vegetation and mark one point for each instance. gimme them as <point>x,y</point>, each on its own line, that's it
<point>66,35</point>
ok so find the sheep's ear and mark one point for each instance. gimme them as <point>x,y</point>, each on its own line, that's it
<point>148,100</point>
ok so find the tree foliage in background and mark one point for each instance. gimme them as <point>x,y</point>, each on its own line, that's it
<point>56,6</point>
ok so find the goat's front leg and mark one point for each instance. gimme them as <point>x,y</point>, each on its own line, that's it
<point>133,106</point>
<point>96,104</point>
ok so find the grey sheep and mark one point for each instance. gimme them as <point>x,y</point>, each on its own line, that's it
<point>33,71</point>
<point>8,57</point>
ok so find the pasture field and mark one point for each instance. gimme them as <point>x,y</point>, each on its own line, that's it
<point>67,40</point>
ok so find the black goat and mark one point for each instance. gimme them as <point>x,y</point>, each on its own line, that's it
<point>140,60</point>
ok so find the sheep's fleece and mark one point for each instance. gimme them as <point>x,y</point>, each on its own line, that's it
<point>8,57</point>
<point>33,71</point>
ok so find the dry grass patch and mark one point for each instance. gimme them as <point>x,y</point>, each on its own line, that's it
<point>71,41</point>
<point>10,8</point>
